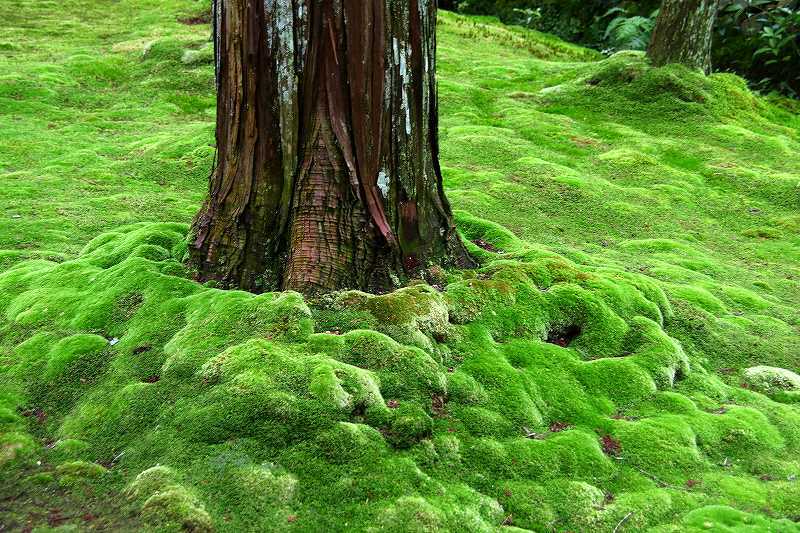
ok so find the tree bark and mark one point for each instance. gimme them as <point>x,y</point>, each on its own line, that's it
<point>327,172</point>
<point>683,33</point>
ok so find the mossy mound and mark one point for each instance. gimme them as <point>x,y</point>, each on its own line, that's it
<point>674,89</point>
<point>529,392</point>
<point>778,383</point>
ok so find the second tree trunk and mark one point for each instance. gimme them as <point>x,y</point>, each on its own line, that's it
<point>683,33</point>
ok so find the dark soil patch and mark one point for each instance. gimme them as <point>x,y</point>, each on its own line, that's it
<point>564,336</point>
<point>438,405</point>
<point>611,446</point>
<point>36,413</point>
<point>204,18</point>
<point>489,247</point>
<point>558,427</point>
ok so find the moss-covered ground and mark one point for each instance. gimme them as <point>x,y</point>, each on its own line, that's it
<point>639,232</point>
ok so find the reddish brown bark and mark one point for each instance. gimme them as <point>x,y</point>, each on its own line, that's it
<point>327,173</point>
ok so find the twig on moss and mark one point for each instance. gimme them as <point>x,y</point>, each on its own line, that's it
<point>621,522</point>
<point>652,477</point>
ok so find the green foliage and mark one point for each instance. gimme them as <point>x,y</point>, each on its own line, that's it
<point>626,32</point>
<point>577,21</point>
<point>761,40</point>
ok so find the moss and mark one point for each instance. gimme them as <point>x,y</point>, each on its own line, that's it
<point>404,372</point>
<point>70,449</point>
<point>357,398</point>
<point>464,389</point>
<point>664,446</point>
<point>415,315</point>
<point>410,424</point>
<point>16,447</point>
<point>620,380</point>
<point>784,498</point>
<point>163,50</point>
<point>412,514</point>
<point>73,364</point>
<point>527,504</point>
<point>268,491</point>
<point>201,56</point>
<point>726,518</point>
<point>348,442</point>
<point>575,503</point>
<point>770,380</point>
<point>736,435</point>
<point>174,509</point>
<point>639,510</point>
<point>75,472</point>
<point>150,481</point>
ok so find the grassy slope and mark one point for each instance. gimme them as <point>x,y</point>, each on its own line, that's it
<point>642,206</point>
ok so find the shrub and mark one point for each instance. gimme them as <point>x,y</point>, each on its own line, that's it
<point>628,32</point>
<point>579,21</point>
<point>760,39</point>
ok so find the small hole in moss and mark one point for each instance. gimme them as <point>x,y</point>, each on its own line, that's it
<point>141,350</point>
<point>438,405</point>
<point>359,411</point>
<point>563,336</point>
<point>151,379</point>
<point>558,427</point>
<point>34,412</point>
<point>611,446</point>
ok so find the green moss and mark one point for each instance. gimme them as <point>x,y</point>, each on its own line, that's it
<point>575,503</point>
<point>175,510</point>
<point>163,50</point>
<point>75,472</point>
<point>201,56</point>
<point>412,514</point>
<point>16,447</point>
<point>151,481</point>
<point>664,446</point>
<point>725,518</point>
<point>784,498</point>
<point>348,442</point>
<point>410,424</point>
<point>620,380</point>
<point>73,354</point>
<point>527,504</point>
<point>770,380</point>
<point>70,449</point>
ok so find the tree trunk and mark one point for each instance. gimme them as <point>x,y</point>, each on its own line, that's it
<point>327,172</point>
<point>683,33</point>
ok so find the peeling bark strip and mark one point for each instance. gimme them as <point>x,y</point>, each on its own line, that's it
<point>327,173</point>
<point>683,33</point>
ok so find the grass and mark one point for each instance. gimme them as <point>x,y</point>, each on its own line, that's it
<point>640,241</point>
